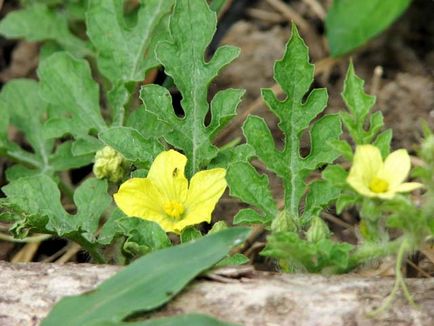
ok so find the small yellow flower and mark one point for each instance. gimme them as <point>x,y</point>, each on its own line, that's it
<point>165,197</point>
<point>372,177</point>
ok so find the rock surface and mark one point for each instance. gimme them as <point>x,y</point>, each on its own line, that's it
<point>236,295</point>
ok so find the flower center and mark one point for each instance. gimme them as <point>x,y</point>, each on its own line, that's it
<point>378,185</point>
<point>173,208</point>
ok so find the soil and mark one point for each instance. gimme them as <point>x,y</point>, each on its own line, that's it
<point>398,67</point>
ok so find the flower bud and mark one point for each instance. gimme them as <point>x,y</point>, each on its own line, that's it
<point>318,230</point>
<point>427,149</point>
<point>109,164</point>
<point>283,222</point>
<point>218,226</point>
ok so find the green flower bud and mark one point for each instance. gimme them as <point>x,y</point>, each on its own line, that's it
<point>109,164</point>
<point>318,230</point>
<point>427,149</point>
<point>283,222</point>
<point>218,226</point>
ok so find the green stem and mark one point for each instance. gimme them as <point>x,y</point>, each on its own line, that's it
<point>93,251</point>
<point>399,281</point>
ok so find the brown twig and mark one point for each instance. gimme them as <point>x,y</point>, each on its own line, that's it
<point>317,8</point>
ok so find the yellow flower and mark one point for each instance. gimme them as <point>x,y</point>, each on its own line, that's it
<point>165,197</point>
<point>372,177</point>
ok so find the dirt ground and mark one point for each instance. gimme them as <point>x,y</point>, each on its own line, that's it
<point>398,67</point>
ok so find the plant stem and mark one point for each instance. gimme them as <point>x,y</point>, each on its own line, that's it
<point>399,281</point>
<point>370,251</point>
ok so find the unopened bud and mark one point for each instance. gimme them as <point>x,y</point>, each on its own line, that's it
<point>318,230</point>
<point>427,149</point>
<point>283,222</point>
<point>218,226</point>
<point>109,164</point>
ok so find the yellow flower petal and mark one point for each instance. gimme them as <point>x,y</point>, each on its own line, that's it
<point>367,162</point>
<point>206,188</point>
<point>167,175</point>
<point>408,186</point>
<point>138,197</point>
<point>396,168</point>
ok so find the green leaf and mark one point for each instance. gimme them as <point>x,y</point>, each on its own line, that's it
<point>125,46</point>
<point>359,105</point>
<point>147,283</point>
<point>4,122</point>
<point>383,142</point>
<point>229,155</point>
<point>131,144</point>
<point>235,260</point>
<point>178,320</point>
<point>321,193</point>
<point>190,234</point>
<point>296,254</point>
<point>336,175</point>
<point>64,158</point>
<point>22,103</point>
<point>223,109</point>
<point>147,123</point>
<point>192,26</point>
<point>250,216</point>
<point>350,23</point>
<point>294,74</point>
<point>67,84</point>
<point>39,195</point>
<point>142,236</point>
<point>39,23</point>
<point>252,188</point>
<point>125,52</point>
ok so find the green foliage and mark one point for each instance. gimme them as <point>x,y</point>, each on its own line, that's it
<point>178,320</point>
<point>294,74</point>
<point>125,50</point>
<point>359,105</point>
<point>38,196</point>
<point>38,23</point>
<point>154,274</point>
<point>351,23</point>
<point>192,26</point>
<point>67,85</point>
<point>296,254</point>
<point>21,102</point>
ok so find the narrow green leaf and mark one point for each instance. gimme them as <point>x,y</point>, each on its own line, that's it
<point>147,283</point>
<point>351,23</point>
<point>39,23</point>
<point>235,260</point>
<point>179,320</point>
